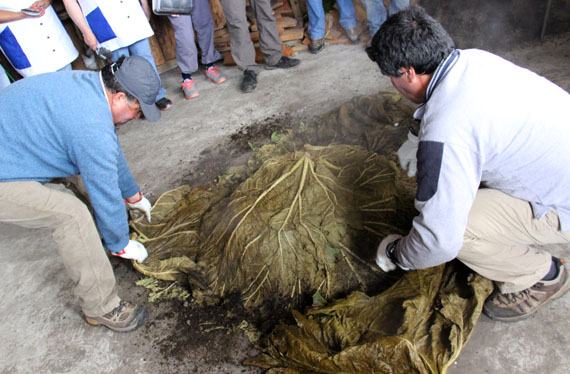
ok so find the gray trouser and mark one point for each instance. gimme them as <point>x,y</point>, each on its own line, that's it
<point>499,238</point>
<point>30,204</point>
<point>241,45</point>
<point>184,26</point>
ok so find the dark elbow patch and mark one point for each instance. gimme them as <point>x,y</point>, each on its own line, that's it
<point>429,156</point>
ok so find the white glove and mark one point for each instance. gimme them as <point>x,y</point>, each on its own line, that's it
<point>143,205</point>
<point>382,258</point>
<point>407,154</point>
<point>133,251</point>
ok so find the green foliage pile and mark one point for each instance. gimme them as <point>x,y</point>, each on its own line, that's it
<point>418,326</point>
<point>304,224</point>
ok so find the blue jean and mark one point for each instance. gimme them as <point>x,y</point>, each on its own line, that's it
<point>140,48</point>
<point>317,17</point>
<point>376,12</point>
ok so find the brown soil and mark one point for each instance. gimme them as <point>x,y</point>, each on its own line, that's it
<point>235,151</point>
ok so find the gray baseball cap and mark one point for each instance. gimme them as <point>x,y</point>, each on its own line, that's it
<point>138,77</point>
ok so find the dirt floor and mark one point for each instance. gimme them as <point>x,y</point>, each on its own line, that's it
<point>194,142</point>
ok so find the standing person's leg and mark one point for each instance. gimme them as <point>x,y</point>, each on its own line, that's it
<point>204,27</point>
<point>316,27</point>
<point>316,14</point>
<point>347,15</point>
<point>348,20</point>
<point>118,53</point>
<point>241,45</point>
<point>375,15</point>
<point>186,53</point>
<point>269,40</point>
<point>498,241</point>
<point>398,5</point>
<point>142,48</point>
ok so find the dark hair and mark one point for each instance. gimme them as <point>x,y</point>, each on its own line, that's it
<point>410,38</point>
<point>111,83</point>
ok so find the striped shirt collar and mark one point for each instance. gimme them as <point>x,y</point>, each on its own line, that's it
<point>441,71</point>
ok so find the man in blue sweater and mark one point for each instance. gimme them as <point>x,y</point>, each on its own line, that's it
<point>485,122</point>
<point>62,124</point>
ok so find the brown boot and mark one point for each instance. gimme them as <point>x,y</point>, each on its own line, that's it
<point>510,307</point>
<point>126,317</point>
<point>316,46</point>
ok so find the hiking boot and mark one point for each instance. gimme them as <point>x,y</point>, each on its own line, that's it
<point>353,35</point>
<point>316,46</point>
<point>126,317</point>
<point>510,307</point>
<point>214,75</point>
<point>190,91</point>
<point>163,104</point>
<point>284,63</point>
<point>249,80</point>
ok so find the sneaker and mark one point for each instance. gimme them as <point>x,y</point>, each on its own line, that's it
<point>510,307</point>
<point>190,91</point>
<point>316,46</point>
<point>284,63</point>
<point>163,104</point>
<point>126,317</point>
<point>249,80</point>
<point>214,75</point>
<point>353,35</point>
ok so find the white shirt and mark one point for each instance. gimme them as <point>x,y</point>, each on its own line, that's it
<point>35,45</point>
<point>488,121</point>
<point>116,23</point>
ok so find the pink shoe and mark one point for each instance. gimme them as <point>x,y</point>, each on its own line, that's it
<point>190,91</point>
<point>213,74</point>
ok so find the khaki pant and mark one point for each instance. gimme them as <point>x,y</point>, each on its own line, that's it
<point>499,237</point>
<point>30,204</point>
<point>242,47</point>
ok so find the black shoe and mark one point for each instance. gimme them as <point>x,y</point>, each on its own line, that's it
<point>249,80</point>
<point>284,63</point>
<point>163,104</point>
<point>316,46</point>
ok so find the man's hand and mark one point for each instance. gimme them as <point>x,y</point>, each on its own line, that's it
<point>407,154</point>
<point>38,6</point>
<point>140,203</point>
<point>133,251</point>
<point>90,40</point>
<point>382,258</point>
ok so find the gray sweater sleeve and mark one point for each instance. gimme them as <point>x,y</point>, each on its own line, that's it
<point>448,178</point>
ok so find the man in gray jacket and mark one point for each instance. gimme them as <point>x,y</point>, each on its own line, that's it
<point>492,164</point>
